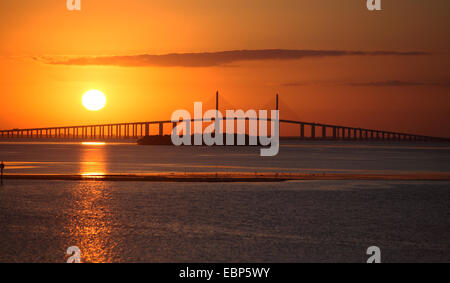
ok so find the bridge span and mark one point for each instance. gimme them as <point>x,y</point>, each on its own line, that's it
<point>136,130</point>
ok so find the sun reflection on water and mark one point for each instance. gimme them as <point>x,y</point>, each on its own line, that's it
<point>93,143</point>
<point>91,222</point>
<point>93,161</point>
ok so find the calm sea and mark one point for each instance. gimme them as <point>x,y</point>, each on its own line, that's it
<point>301,221</point>
<point>317,157</point>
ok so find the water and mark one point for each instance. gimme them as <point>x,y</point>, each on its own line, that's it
<point>78,158</point>
<point>301,221</point>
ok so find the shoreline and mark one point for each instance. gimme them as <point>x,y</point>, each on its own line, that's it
<point>223,177</point>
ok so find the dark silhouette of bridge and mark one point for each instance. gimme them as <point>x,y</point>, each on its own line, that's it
<point>136,130</point>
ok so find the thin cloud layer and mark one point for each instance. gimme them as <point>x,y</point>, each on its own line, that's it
<point>386,83</point>
<point>210,59</point>
<point>395,83</point>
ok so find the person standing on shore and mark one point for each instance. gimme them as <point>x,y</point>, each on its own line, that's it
<point>2,166</point>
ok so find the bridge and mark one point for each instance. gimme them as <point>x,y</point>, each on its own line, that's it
<point>136,130</point>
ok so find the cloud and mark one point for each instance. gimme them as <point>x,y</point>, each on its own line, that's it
<point>386,83</point>
<point>395,83</point>
<point>209,59</point>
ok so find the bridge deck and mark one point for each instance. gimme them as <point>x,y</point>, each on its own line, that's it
<point>140,129</point>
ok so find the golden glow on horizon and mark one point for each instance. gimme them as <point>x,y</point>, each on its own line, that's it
<point>94,100</point>
<point>93,143</point>
<point>93,163</point>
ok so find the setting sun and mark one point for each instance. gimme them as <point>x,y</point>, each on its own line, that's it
<point>94,100</point>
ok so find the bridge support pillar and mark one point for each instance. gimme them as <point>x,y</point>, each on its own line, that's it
<point>302,131</point>
<point>174,125</point>
<point>147,129</point>
<point>313,131</point>
<point>324,132</point>
<point>161,129</point>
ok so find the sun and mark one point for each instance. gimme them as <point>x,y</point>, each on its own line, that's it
<point>94,100</point>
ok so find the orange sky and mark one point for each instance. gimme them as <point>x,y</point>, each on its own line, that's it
<point>392,92</point>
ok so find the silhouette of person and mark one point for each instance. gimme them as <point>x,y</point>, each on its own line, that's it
<point>2,166</point>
